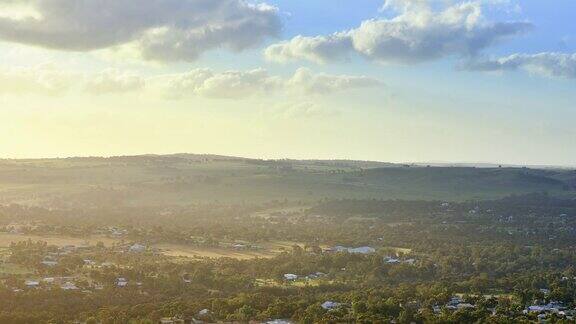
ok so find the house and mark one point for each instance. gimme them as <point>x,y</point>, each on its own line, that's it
<point>171,320</point>
<point>49,263</point>
<point>137,248</point>
<point>362,250</point>
<point>67,249</point>
<point>121,282</point>
<point>89,263</point>
<point>290,277</point>
<point>542,317</point>
<point>391,260</point>
<point>410,261</point>
<point>338,248</point>
<point>68,286</point>
<point>315,275</point>
<point>465,306</point>
<point>545,291</point>
<point>551,307</point>
<point>32,284</point>
<point>457,303</point>
<point>330,305</point>
<point>358,250</point>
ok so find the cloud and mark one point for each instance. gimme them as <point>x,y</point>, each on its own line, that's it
<point>300,109</point>
<point>47,79</point>
<point>42,79</point>
<point>50,80</point>
<point>114,81</point>
<point>558,65</point>
<point>161,30</point>
<point>207,83</point>
<point>319,83</point>
<point>242,84</point>
<point>418,33</point>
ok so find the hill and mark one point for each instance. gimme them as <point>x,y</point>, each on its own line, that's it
<point>183,179</point>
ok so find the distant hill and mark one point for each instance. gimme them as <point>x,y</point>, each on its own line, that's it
<point>183,179</point>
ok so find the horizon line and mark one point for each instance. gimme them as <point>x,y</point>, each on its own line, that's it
<point>413,163</point>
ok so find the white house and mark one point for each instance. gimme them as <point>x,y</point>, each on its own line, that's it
<point>50,263</point>
<point>358,250</point>
<point>137,248</point>
<point>391,260</point>
<point>121,282</point>
<point>32,283</point>
<point>329,305</point>
<point>362,250</point>
<point>69,286</point>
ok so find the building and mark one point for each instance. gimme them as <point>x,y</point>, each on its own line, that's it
<point>121,282</point>
<point>68,286</point>
<point>171,320</point>
<point>329,305</point>
<point>137,248</point>
<point>32,284</point>
<point>358,250</point>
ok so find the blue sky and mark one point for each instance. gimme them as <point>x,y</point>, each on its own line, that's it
<point>459,81</point>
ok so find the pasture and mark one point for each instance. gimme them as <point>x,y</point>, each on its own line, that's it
<point>266,250</point>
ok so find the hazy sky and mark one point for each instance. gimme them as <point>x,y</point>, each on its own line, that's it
<point>397,80</point>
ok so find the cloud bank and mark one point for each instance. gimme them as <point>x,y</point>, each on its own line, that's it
<point>418,33</point>
<point>49,80</point>
<point>242,84</point>
<point>547,64</point>
<point>161,30</point>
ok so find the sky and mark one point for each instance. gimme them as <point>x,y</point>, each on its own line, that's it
<point>387,80</point>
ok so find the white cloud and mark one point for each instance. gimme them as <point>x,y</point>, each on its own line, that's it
<point>43,79</point>
<point>242,84</point>
<point>48,79</point>
<point>559,65</point>
<point>298,110</point>
<point>162,30</point>
<point>418,33</point>
<point>113,81</point>
<point>306,109</point>
<point>319,83</point>
<point>207,83</point>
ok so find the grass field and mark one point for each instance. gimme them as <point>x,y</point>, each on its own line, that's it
<point>268,250</point>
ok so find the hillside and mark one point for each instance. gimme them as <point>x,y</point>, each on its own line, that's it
<point>185,179</point>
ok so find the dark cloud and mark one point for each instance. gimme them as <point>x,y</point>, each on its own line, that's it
<point>162,30</point>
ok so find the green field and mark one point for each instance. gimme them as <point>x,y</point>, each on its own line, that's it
<point>186,179</point>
